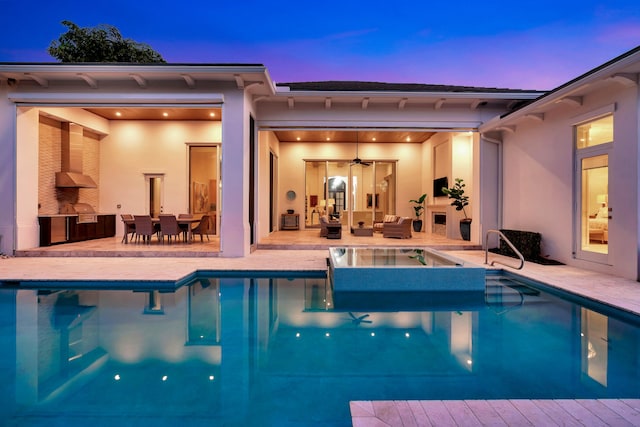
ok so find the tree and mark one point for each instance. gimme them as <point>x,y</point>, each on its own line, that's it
<point>102,43</point>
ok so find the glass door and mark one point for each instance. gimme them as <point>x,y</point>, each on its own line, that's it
<point>315,177</point>
<point>350,193</point>
<point>385,184</point>
<point>594,140</point>
<point>336,191</point>
<point>204,184</point>
<point>594,209</point>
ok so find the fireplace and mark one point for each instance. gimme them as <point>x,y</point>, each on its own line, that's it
<point>439,223</point>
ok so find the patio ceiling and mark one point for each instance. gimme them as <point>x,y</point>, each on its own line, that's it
<point>173,113</point>
<point>288,135</point>
<point>351,136</point>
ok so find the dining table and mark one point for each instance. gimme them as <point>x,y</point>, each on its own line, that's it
<point>155,221</point>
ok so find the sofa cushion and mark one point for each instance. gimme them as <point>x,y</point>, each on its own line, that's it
<point>390,218</point>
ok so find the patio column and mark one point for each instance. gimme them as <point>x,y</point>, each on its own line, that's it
<point>234,224</point>
<point>7,172</point>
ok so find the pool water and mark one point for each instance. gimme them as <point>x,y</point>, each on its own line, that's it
<point>288,351</point>
<point>422,269</point>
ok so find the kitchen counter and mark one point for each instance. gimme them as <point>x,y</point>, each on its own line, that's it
<point>65,215</point>
<point>62,228</point>
<point>55,215</point>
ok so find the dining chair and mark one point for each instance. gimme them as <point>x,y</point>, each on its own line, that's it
<point>184,227</point>
<point>129,227</point>
<point>169,227</point>
<point>144,227</point>
<point>203,227</point>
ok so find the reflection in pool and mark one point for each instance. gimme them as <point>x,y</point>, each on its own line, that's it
<point>276,351</point>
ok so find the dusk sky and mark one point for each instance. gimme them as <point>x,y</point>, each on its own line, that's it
<point>517,44</point>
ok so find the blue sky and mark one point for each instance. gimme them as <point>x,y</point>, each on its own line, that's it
<point>517,44</point>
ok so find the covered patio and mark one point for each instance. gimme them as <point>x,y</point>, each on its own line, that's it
<point>308,239</point>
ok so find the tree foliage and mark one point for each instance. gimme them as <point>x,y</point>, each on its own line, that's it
<point>102,43</point>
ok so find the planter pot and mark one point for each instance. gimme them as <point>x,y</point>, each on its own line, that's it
<point>465,229</point>
<point>417,225</point>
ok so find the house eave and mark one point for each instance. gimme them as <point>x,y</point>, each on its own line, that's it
<point>250,77</point>
<point>612,72</point>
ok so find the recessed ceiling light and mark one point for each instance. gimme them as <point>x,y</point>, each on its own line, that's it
<point>165,114</point>
<point>118,113</point>
<point>328,139</point>
<point>408,138</point>
<point>212,114</point>
<point>298,139</point>
<point>373,139</point>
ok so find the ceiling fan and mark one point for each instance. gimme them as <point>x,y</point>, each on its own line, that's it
<point>358,160</point>
<point>357,320</point>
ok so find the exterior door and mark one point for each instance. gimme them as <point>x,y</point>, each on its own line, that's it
<point>594,141</point>
<point>155,193</point>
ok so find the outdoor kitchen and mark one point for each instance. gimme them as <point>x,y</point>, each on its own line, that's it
<point>68,208</point>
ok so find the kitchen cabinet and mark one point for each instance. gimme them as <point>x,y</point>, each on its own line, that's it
<point>54,229</point>
<point>50,229</point>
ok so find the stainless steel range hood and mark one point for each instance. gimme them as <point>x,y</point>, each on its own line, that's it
<point>72,175</point>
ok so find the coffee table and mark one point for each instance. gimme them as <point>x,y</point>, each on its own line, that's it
<point>334,231</point>
<point>362,231</point>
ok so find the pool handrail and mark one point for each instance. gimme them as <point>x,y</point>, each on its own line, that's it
<point>503,237</point>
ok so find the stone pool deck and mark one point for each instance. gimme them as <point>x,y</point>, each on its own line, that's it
<point>518,412</point>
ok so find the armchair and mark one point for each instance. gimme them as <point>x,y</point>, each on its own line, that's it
<point>400,229</point>
<point>324,221</point>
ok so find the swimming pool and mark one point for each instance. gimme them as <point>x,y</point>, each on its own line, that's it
<point>288,351</point>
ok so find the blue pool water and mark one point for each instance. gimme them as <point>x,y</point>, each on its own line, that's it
<point>288,352</point>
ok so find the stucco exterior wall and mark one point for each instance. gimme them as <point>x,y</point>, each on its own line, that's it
<point>539,179</point>
<point>135,148</point>
<point>267,143</point>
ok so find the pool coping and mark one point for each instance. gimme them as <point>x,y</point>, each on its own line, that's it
<point>611,290</point>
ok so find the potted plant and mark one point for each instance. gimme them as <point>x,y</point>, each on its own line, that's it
<point>459,200</point>
<point>418,207</point>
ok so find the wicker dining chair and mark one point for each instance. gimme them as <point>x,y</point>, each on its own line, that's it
<point>169,227</point>
<point>129,227</point>
<point>184,227</point>
<point>144,228</point>
<point>203,227</point>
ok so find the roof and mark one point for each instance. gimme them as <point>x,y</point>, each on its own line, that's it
<point>129,64</point>
<point>360,86</point>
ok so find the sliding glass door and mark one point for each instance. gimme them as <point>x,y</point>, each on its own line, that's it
<point>204,183</point>
<point>349,193</point>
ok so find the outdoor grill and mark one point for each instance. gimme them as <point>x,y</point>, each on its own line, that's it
<point>85,212</point>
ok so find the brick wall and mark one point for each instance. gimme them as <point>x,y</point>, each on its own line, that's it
<point>50,198</point>
<point>49,161</point>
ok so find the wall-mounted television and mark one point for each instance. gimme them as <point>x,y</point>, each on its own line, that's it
<point>438,183</point>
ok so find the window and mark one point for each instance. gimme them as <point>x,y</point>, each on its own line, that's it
<point>595,132</point>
